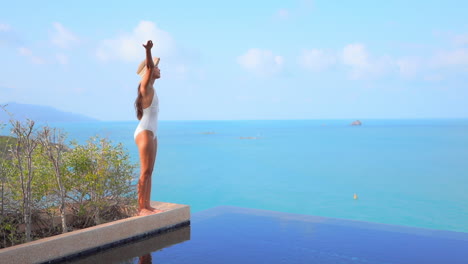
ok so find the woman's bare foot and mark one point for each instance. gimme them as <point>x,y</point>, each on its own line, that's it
<point>143,212</point>
<point>154,210</point>
<point>146,211</point>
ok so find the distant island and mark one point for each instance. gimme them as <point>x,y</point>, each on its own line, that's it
<point>356,123</point>
<point>40,113</point>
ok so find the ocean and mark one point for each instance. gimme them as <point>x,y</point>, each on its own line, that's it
<point>404,172</point>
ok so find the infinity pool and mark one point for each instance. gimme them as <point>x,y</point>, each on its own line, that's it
<point>240,235</point>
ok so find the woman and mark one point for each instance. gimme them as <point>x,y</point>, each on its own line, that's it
<point>147,108</point>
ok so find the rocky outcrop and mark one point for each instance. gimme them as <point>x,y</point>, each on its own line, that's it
<point>248,137</point>
<point>356,123</point>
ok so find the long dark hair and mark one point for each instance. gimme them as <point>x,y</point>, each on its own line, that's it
<point>138,104</point>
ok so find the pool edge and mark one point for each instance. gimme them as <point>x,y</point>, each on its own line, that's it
<point>91,239</point>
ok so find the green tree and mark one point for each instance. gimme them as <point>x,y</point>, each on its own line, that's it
<point>53,147</point>
<point>26,143</point>
<point>40,174</point>
<point>102,174</point>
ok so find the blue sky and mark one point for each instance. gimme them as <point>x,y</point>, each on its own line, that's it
<point>240,59</point>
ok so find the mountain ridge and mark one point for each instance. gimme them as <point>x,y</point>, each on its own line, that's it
<point>40,113</point>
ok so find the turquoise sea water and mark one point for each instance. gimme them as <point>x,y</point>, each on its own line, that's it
<point>405,172</point>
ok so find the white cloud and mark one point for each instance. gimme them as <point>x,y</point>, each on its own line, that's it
<point>5,28</point>
<point>283,13</point>
<point>434,77</point>
<point>8,36</point>
<point>309,4</point>
<point>37,60</point>
<point>262,62</point>
<point>63,37</point>
<point>24,51</point>
<point>279,60</point>
<point>128,46</point>
<point>355,55</point>
<point>317,60</point>
<point>29,54</point>
<point>458,57</point>
<point>362,65</point>
<point>408,67</point>
<point>62,58</point>
<point>461,39</point>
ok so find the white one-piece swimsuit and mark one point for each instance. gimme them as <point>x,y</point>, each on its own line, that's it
<point>149,120</point>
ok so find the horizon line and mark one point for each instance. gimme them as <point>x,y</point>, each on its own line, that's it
<point>294,119</point>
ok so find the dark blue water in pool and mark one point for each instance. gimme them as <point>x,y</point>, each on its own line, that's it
<point>238,235</point>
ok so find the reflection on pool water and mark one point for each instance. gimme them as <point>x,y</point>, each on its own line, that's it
<point>240,235</point>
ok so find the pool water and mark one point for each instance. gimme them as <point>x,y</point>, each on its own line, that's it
<point>240,235</point>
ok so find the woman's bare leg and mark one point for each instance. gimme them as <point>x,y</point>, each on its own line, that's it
<point>148,205</point>
<point>146,150</point>
<point>145,259</point>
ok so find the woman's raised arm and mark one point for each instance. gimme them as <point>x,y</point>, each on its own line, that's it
<point>149,68</point>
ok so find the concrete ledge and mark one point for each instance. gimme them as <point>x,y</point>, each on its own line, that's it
<point>101,236</point>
